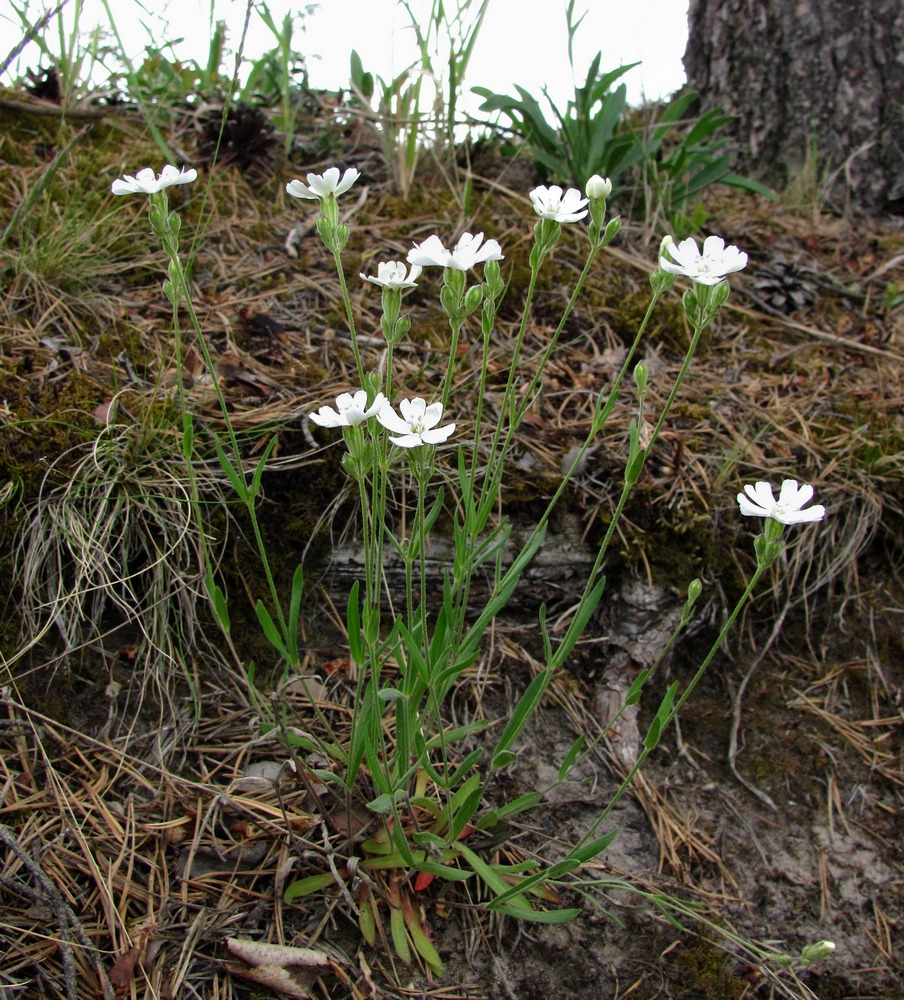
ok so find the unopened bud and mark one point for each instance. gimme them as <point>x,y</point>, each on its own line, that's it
<point>814,952</point>
<point>641,373</point>
<point>598,188</point>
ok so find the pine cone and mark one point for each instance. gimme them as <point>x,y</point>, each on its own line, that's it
<point>248,137</point>
<point>785,286</point>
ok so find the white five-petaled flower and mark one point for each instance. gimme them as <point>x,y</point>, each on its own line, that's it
<point>759,502</point>
<point>392,274</point>
<point>350,410</point>
<point>323,185</point>
<point>708,267</point>
<point>417,425</point>
<point>147,182</point>
<point>562,206</point>
<point>462,257</point>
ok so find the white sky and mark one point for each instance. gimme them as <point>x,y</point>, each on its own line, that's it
<point>513,47</point>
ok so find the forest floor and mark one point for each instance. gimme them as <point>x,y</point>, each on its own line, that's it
<point>145,816</point>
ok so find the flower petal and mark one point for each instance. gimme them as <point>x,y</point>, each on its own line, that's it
<point>298,190</point>
<point>815,513</point>
<point>713,246</point>
<point>388,418</point>
<point>430,252</point>
<point>407,441</point>
<point>749,509</point>
<point>432,415</point>
<point>348,178</point>
<point>438,434</point>
<point>761,493</point>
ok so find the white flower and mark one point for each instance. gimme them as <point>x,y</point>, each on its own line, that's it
<point>708,268</point>
<point>417,424</point>
<point>391,274</point>
<point>323,185</point>
<point>598,188</point>
<point>145,182</point>
<point>465,254</point>
<point>759,502</point>
<point>351,410</point>
<point>553,203</point>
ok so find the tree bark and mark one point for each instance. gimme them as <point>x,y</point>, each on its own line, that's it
<point>826,73</point>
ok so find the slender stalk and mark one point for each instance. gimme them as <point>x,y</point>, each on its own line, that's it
<point>349,313</point>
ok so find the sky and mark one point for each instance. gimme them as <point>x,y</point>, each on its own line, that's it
<point>512,47</point>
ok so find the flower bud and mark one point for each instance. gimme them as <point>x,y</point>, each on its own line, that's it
<point>694,590</point>
<point>641,374</point>
<point>373,383</point>
<point>473,298</point>
<point>814,952</point>
<point>598,188</point>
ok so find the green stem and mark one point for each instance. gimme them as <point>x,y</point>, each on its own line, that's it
<point>349,314</point>
<point>457,327</point>
<point>688,357</point>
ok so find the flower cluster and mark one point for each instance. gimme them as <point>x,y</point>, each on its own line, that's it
<point>417,425</point>
<point>462,257</point>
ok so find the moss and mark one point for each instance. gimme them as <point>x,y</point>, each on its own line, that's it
<point>707,975</point>
<point>667,326</point>
<point>45,420</point>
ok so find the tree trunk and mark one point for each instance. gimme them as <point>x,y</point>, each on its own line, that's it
<point>797,73</point>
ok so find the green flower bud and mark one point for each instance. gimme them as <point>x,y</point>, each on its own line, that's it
<point>473,299</point>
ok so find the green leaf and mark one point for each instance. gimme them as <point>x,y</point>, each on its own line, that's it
<point>662,717</point>
<point>353,626</point>
<point>501,594</point>
<point>295,611</point>
<point>218,601</point>
<point>570,758</point>
<point>536,916</point>
<point>523,803</point>
<point>188,438</point>
<point>236,478</point>
<point>518,906</point>
<point>308,886</point>
<point>261,465</point>
<point>422,944</point>
<point>384,805</point>
<point>746,184</point>
<point>391,694</point>
<point>579,622</point>
<point>589,851</point>
<point>527,703</point>
<point>271,631</point>
<point>636,688</point>
<point>398,935</point>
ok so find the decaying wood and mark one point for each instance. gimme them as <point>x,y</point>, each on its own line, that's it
<point>557,572</point>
